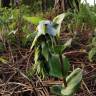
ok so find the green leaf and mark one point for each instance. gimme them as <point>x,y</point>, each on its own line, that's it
<point>73,80</point>
<point>55,66</point>
<point>45,51</point>
<point>75,77</point>
<point>91,54</point>
<point>41,30</point>
<point>33,20</point>
<point>57,21</point>
<point>73,84</point>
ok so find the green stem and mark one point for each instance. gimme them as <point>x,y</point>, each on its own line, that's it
<point>62,69</point>
<point>62,66</point>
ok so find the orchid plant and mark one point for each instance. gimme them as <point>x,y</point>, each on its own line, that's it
<point>49,58</point>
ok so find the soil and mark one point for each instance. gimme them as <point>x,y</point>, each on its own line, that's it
<point>15,82</point>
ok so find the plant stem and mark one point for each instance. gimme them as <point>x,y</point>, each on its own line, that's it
<point>62,69</point>
<point>62,66</point>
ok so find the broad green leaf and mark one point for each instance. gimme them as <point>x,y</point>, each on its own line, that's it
<point>73,80</point>
<point>45,51</point>
<point>75,77</point>
<point>33,20</point>
<point>92,53</point>
<point>57,21</point>
<point>41,30</point>
<point>55,66</point>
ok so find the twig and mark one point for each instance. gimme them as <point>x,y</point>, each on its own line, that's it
<point>29,60</point>
<point>90,93</point>
<point>44,89</point>
<point>10,50</point>
<point>15,83</point>
<point>28,80</point>
<point>75,53</point>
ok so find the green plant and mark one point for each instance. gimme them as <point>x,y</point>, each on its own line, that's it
<point>92,52</point>
<point>82,20</point>
<point>83,24</point>
<point>13,28</point>
<point>73,84</point>
<point>49,58</point>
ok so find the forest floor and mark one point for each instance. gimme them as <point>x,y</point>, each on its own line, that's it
<point>14,81</point>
